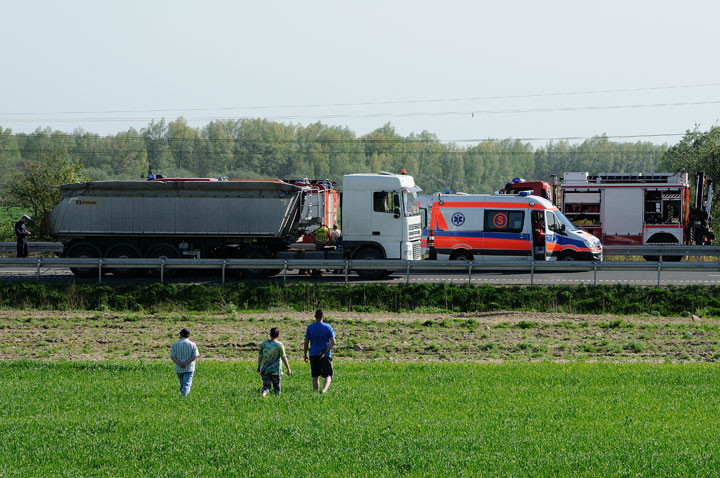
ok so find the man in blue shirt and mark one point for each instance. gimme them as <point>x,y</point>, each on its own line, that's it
<point>321,339</point>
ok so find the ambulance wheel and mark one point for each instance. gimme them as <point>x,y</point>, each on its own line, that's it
<point>370,254</point>
<point>258,253</point>
<point>569,257</point>
<point>462,256</point>
<point>84,250</point>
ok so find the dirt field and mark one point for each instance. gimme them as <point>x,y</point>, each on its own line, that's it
<point>487,337</point>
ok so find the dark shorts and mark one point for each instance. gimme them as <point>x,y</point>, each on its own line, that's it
<point>321,367</point>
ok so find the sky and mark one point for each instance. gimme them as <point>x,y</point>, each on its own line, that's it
<point>462,70</point>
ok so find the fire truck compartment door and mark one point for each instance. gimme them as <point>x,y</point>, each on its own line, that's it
<point>622,211</point>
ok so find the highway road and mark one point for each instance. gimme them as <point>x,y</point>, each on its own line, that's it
<point>649,278</point>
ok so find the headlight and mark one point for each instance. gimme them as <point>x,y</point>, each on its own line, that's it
<point>589,245</point>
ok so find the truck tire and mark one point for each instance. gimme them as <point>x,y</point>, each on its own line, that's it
<point>84,250</point>
<point>370,254</point>
<point>163,251</point>
<point>663,238</point>
<point>256,252</point>
<point>123,250</point>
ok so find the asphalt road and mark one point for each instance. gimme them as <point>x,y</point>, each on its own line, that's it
<point>509,278</point>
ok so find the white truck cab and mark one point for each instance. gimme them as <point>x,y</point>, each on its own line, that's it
<point>380,216</point>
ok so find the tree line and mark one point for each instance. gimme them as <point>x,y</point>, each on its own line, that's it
<point>256,148</point>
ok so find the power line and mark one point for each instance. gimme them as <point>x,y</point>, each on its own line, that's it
<point>379,103</point>
<point>471,113</point>
<point>307,142</point>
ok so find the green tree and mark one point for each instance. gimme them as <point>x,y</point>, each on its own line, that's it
<point>697,151</point>
<point>34,186</point>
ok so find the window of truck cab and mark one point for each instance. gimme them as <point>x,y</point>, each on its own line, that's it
<point>386,201</point>
<point>410,201</point>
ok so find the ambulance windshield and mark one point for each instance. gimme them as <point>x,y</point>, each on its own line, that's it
<point>565,221</point>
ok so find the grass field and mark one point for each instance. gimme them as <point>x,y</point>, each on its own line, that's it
<point>379,419</point>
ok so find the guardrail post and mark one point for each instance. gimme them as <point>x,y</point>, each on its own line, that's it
<point>659,269</point>
<point>223,270</point>
<point>162,271</point>
<point>99,271</point>
<point>285,272</point>
<point>37,272</point>
<point>532,273</point>
<point>346,271</point>
<point>470,272</point>
<point>595,273</point>
<point>407,274</point>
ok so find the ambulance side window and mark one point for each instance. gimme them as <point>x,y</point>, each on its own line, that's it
<point>504,221</point>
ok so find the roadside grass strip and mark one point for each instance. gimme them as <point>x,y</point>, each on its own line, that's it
<point>378,419</point>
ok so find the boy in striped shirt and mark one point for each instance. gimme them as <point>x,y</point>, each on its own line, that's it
<point>184,353</point>
<point>269,356</point>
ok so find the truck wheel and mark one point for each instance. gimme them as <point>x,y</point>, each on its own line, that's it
<point>256,252</point>
<point>84,250</point>
<point>663,239</point>
<point>163,251</point>
<point>462,256</point>
<point>370,254</point>
<point>123,250</point>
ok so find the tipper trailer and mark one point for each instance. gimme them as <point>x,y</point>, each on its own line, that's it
<point>243,219</point>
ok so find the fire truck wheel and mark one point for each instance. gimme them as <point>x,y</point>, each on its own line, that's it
<point>84,250</point>
<point>462,256</point>
<point>123,250</point>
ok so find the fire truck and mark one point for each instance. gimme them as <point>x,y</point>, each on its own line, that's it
<point>638,209</point>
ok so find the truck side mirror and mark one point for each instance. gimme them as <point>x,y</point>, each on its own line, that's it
<point>396,212</point>
<point>563,230</point>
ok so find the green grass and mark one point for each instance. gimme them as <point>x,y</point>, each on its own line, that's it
<point>379,419</point>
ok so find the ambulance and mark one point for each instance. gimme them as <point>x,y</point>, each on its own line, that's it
<point>501,227</point>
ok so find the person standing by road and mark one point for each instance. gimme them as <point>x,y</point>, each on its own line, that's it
<point>320,338</point>
<point>22,233</point>
<point>184,353</point>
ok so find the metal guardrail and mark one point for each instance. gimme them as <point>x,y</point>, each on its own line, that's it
<point>346,266</point>
<point>662,250</point>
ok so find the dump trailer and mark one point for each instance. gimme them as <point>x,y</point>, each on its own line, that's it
<point>229,219</point>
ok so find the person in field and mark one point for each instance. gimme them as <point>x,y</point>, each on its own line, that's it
<point>184,353</point>
<point>319,341</point>
<point>271,353</point>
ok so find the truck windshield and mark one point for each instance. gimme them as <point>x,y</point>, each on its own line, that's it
<point>565,221</point>
<point>410,202</point>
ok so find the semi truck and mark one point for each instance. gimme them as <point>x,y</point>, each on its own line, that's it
<point>504,227</point>
<point>237,219</point>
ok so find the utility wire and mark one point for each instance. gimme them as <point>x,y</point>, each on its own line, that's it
<point>378,103</point>
<point>308,142</point>
<point>471,113</point>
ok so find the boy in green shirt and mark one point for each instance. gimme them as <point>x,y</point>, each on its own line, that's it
<point>270,354</point>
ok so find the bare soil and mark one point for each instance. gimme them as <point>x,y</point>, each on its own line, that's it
<point>484,337</point>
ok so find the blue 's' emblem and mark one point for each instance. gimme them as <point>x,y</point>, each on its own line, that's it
<point>458,219</point>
